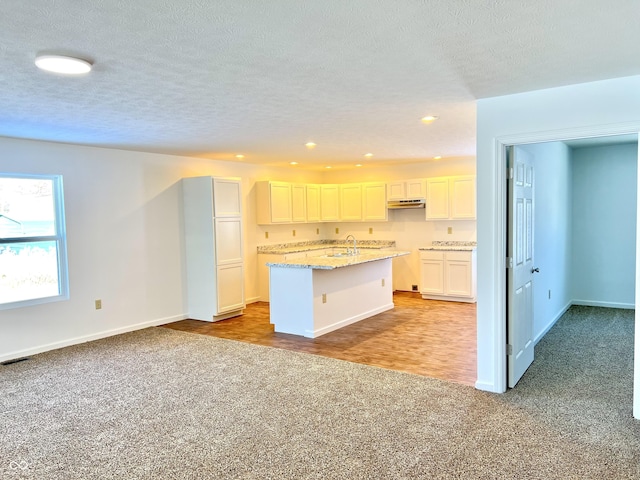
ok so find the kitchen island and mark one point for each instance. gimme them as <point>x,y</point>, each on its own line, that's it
<point>316,295</point>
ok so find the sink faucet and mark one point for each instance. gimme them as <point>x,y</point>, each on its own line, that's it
<point>355,248</point>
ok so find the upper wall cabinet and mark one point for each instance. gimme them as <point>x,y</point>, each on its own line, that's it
<point>451,198</point>
<point>329,203</point>
<point>406,189</point>
<point>374,201</point>
<point>351,202</point>
<point>313,202</point>
<point>274,202</point>
<point>282,202</point>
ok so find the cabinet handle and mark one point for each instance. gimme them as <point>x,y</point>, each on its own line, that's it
<point>535,270</point>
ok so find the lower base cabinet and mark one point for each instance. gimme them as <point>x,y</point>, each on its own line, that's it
<point>448,275</point>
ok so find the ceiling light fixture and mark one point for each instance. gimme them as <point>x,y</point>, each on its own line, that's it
<point>358,164</point>
<point>310,145</point>
<point>293,163</point>
<point>429,119</point>
<point>328,166</point>
<point>368,155</point>
<point>63,64</point>
<point>239,156</point>
<point>437,157</point>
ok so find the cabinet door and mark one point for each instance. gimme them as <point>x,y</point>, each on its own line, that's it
<point>280,193</point>
<point>437,198</point>
<point>329,203</point>
<point>228,240</point>
<point>458,278</point>
<point>374,201</point>
<point>463,197</point>
<point>298,203</point>
<point>397,191</point>
<point>230,288</point>
<point>416,188</point>
<point>432,272</point>
<point>313,203</point>
<point>227,195</point>
<point>351,202</point>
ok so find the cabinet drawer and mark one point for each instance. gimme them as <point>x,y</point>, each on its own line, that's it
<point>431,255</point>
<point>463,256</point>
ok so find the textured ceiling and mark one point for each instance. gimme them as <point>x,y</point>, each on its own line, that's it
<point>262,78</point>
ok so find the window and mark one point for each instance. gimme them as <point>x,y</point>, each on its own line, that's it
<point>33,251</point>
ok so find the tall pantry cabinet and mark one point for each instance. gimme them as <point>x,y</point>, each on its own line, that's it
<point>214,247</point>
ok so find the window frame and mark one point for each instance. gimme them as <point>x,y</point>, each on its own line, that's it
<point>59,237</point>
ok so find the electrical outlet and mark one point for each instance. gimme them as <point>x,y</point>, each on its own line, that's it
<point>414,288</point>
<point>549,294</point>
<point>449,230</point>
<point>337,230</point>
<point>98,304</point>
<point>383,282</point>
<point>294,233</point>
<point>324,298</point>
<point>317,231</point>
<point>370,230</point>
<point>266,234</point>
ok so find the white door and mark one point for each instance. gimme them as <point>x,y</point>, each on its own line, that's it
<point>520,271</point>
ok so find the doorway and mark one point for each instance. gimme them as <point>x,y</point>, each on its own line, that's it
<point>584,226</point>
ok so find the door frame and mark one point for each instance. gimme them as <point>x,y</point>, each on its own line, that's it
<point>499,246</point>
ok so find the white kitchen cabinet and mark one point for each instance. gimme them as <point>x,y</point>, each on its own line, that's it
<point>329,202</point>
<point>451,198</point>
<point>407,189</point>
<point>298,203</point>
<point>448,275</point>
<point>351,202</point>
<point>214,247</point>
<point>374,201</point>
<point>274,202</point>
<point>263,270</point>
<point>313,202</point>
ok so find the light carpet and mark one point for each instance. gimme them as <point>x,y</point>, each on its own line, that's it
<point>162,404</point>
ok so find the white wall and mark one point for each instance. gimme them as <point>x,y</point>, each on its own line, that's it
<point>604,225</point>
<point>552,233</point>
<point>125,242</point>
<point>597,108</point>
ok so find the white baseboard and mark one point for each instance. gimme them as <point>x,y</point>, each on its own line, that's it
<point>88,338</point>
<point>552,323</point>
<point>594,303</point>
<point>252,300</point>
<point>486,387</point>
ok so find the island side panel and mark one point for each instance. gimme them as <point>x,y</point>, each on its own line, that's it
<point>291,300</point>
<point>353,293</point>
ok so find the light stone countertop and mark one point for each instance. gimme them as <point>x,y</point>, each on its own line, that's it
<point>451,246</point>
<point>284,248</point>
<point>324,262</point>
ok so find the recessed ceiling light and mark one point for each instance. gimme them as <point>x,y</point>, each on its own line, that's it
<point>293,163</point>
<point>368,155</point>
<point>63,64</point>
<point>437,157</point>
<point>429,119</point>
<point>239,156</point>
<point>328,166</point>
<point>310,145</point>
<point>358,164</point>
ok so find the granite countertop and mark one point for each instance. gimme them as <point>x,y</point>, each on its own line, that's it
<point>283,248</point>
<point>451,246</point>
<point>324,262</point>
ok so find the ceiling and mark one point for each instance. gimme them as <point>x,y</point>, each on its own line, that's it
<point>214,79</point>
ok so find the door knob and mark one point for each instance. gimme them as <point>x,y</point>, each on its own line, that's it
<point>535,270</point>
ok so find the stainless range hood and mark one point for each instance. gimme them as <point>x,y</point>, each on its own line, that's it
<point>408,203</point>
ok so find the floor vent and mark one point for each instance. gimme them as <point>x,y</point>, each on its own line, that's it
<point>15,360</point>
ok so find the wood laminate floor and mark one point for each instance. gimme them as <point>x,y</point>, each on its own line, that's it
<point>426,337</point>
